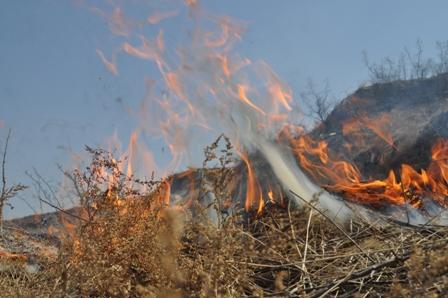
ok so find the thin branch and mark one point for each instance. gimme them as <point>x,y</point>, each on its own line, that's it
<point>358,274</point>
<point>62,210</point>
<point>3,194</point>
<point>334,223</point>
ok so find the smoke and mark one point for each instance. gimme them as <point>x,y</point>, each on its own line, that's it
<point>204,88</point>
<point>293,179</point>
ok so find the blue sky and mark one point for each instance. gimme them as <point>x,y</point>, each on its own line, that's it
<point>57,96</point>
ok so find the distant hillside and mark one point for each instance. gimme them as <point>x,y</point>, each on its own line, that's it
<point>45,224</point>
<point>412,114</point>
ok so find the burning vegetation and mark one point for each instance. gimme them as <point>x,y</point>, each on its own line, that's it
<point>275,210</point>
<point>127,241</point>
<point>340,176</point>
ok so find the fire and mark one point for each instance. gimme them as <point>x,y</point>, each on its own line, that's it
<point>203,86</point>
<point>118,23</point>
<point>111,65</point>
<point>243,97</point>
<point>157,17</point>
<point>254,193</point>
<point>165,192</point>
<point>229,31</point>
<point>224,65</point>
<point>132,151</point>
<point>379,126</point>
<point>409,187</point>
<point>271,195</point>
<point>173,84</point>
<point>149,50</point>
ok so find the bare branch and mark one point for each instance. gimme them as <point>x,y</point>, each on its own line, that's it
<point>4,166</point>
<point>7,192</point>
<point>319,102</point>
<point>408,65</point>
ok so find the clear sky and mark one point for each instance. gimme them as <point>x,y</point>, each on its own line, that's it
<point>57,96</point>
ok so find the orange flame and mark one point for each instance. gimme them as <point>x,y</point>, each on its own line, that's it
<point>210,65</point>
<point>342,177</point>
<point>243,97</point>
<point>377,125</point>
<point>173,84</point>
<point>132,151</point>
<point>149,50</point>
<point>117,22</point>
<point>228,29</point>
<point>157,17</point>
<point>254,194</point>
<point>109,64</point>
<point>271,195</point>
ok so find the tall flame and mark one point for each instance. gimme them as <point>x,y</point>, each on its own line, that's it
<point>204,87</point>
<point>254,193</point>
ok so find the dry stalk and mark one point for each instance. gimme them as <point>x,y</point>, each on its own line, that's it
<point>130,246</point>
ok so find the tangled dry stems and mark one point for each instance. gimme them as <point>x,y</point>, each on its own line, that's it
<point>129,244</point>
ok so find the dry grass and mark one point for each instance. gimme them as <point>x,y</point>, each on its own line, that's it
<point>129,244</point>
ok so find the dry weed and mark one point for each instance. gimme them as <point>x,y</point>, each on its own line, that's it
<point>130,244</point>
